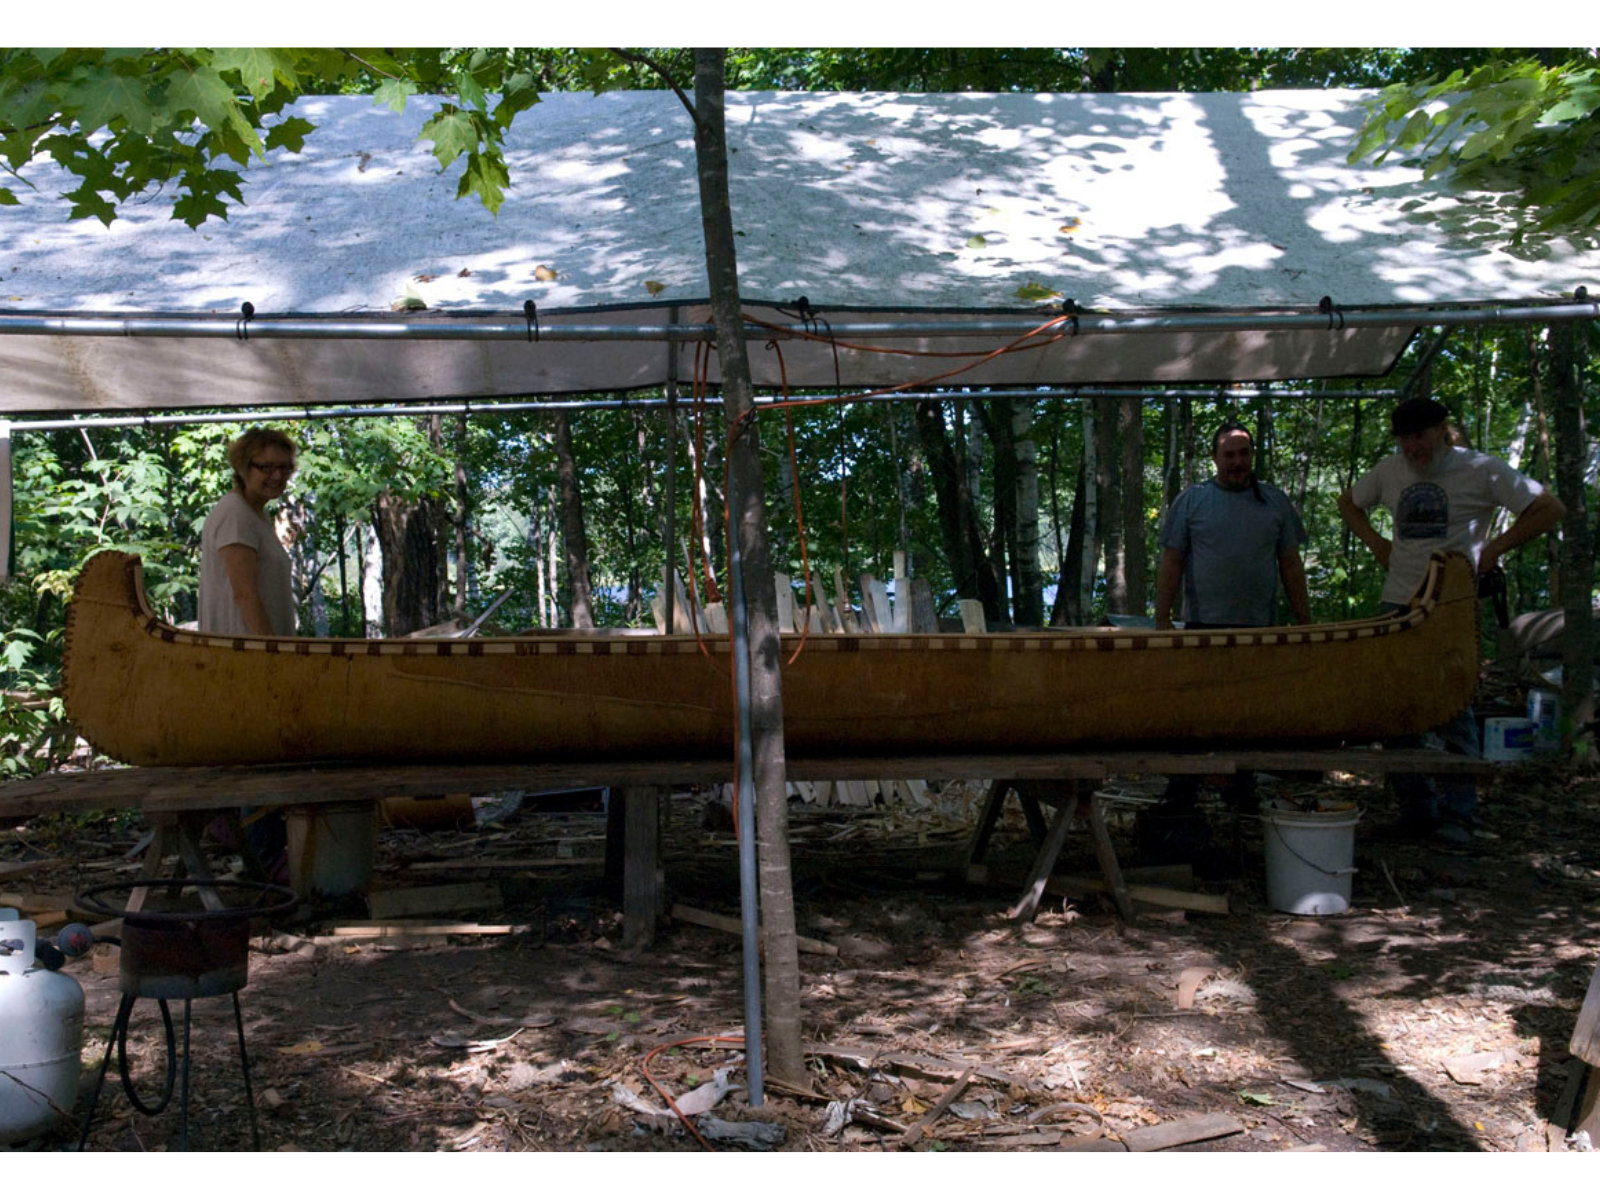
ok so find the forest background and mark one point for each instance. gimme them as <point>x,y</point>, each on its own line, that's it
<point>400,523</point>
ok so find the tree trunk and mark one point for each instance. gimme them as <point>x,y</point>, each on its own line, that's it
<point>406,534</point>
<point>958,526</point>
<point>1089,540</point>
<point>996,421</point>
<point>462,516</point>
<point>1302,485</point>
<point>748,512</point>
<point>1172,460</point>
<point>574,535</point>
<point>1108,507</point>
<point>1068,608</point>
<point>1542,465</point>
<point>371,582</point>
<point>1577,558</point>
<point>1135,529</point>
<point>1028,603</point>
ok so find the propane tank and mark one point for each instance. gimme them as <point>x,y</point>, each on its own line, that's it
<point>41,1036</point>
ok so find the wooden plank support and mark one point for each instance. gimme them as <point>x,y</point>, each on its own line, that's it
<point>1037,826</point>
<point>1033,891</point>
<point>988,816</point>
<point>711,920</point>
<point>1106,855</point>
<point>642,882</point>
<point>1586,1031</point>
<point>1080,885</point>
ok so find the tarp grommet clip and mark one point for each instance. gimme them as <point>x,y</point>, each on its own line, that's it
<point>530,317</point>
<point>241,328</point>
<point>1326,305</point>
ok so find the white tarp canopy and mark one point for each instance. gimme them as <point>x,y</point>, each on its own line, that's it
<point>875,206</point>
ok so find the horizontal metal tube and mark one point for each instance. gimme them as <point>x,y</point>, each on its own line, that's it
<point>649,402</point>
<point>468,330</point>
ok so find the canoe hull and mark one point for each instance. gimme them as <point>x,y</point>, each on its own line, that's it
<point>147,694</point>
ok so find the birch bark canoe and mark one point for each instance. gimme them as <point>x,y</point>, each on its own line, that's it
<point>148,694</point>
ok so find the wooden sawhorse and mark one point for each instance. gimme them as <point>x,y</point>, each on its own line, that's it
<point>1072,798</point>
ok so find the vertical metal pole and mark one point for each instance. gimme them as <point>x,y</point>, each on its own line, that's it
<point>669,533</point>
<point>749,899</point>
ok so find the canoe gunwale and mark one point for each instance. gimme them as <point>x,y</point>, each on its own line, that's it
<point>1422,606</point>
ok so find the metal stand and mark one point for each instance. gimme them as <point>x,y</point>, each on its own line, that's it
<point>119,1040</point>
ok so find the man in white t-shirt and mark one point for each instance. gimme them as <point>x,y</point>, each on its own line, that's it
<point>1442,497</point>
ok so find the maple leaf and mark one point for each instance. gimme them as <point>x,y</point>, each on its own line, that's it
<point>393,92</point>
<point>89,203</point>
<point>487,177</point>
<point>111,95</point>
<point>653,287</point>
<point>452,133</point>
<point>259,70</point>
<point>194,208</point>
<point>289,135</point>
<point>203,92</point>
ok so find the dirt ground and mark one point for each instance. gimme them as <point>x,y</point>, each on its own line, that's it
<point>1433,1015</point>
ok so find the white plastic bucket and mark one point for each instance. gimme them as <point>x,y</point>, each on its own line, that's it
<point>1309,857</point>
<point>1508,739</point>
<point>332,847</point>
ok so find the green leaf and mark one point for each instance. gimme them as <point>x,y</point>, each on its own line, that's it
<point>977,242</point>
<point>7,198</point>
<point>203,92</point>
<point>393,92</point>
<point>469,89</point>
<point>452,133</point>
<point>87,202</point>
<point>289,135</point>
<point>110,96</point>
<point>259,70</point>
<point>487,178</point>
<point>194,208</point>
<point>1259,1099</point>
<point>1035,291</point>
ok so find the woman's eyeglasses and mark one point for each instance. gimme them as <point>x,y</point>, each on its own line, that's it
<point>284,469</point>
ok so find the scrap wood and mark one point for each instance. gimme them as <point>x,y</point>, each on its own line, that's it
<point>1189,982</point>
<point>1077,885</point>
<point>910,1137</point>
<point>16,870</point>
<point>501,864</point>
<point>698,916</point>
<point>420,901</point>
<point>399,926</point>
<point>1182,1132</point>
<point>922,1066</point>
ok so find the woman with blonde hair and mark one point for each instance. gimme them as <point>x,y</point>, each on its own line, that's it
<point>246,583</point>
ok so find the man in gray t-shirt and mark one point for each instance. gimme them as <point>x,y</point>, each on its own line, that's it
<point>1229,540</point>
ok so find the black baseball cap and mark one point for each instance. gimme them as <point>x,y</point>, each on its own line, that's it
<point>1416,414</point>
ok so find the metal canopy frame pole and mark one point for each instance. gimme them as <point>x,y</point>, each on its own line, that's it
<point>493,408</point>
<point>378,329</point>
<point>749,894</point>
<point>669,533</point>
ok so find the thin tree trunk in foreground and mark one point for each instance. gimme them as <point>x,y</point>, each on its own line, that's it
<point>1577,553</point>
<point>748,514</point>
<point>572,526</point>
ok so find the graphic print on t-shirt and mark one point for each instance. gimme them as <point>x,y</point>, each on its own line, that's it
<point>1423,512</point>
